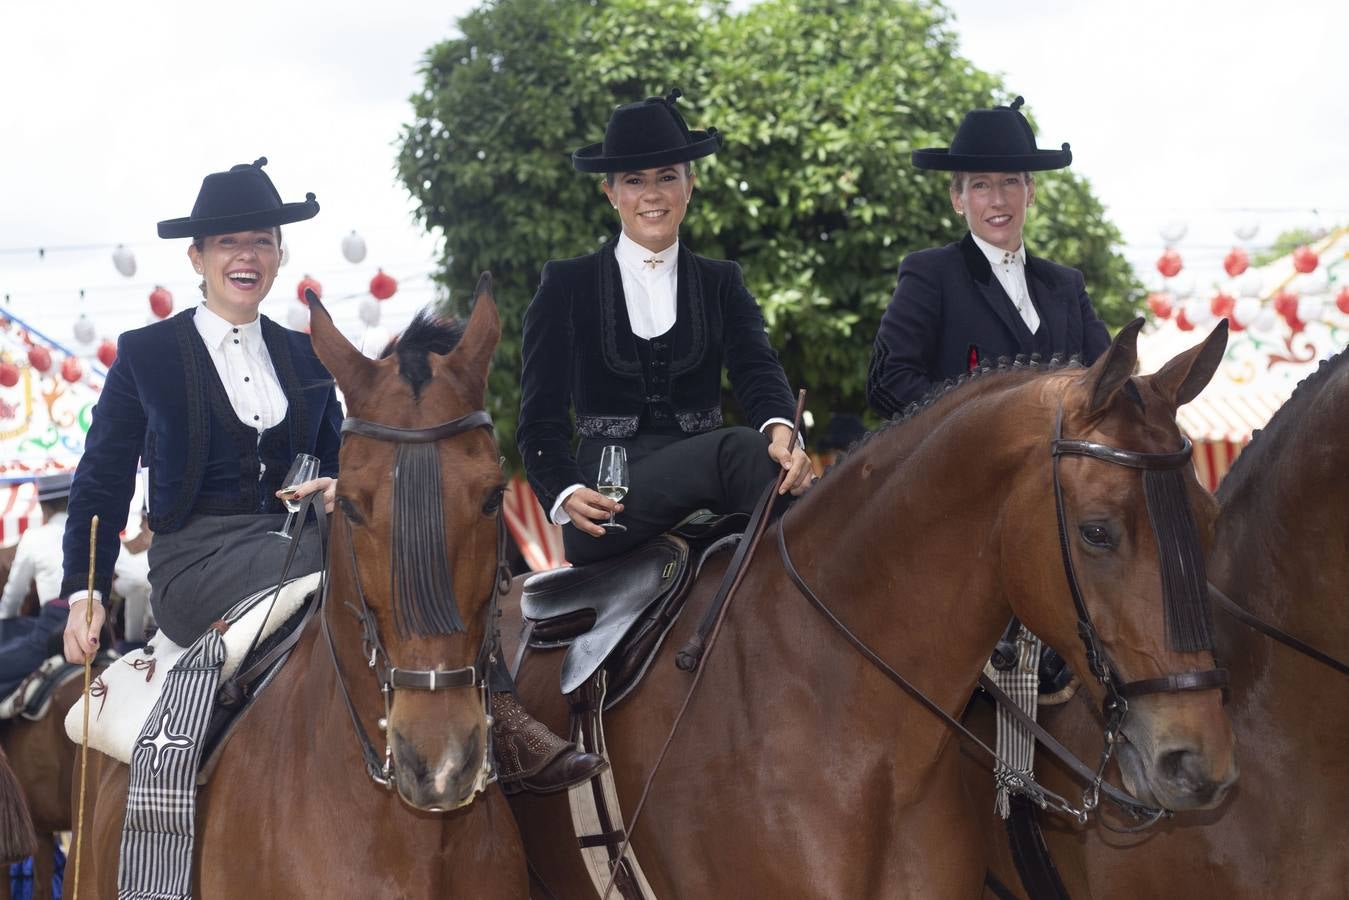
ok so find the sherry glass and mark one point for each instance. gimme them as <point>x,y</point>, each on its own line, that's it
<point>613,480</point>
<point>305,468</point>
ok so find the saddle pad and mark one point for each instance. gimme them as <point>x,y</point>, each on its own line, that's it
<point>34,695</point>
<point>128,690</point>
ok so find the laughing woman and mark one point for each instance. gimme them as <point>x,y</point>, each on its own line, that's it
<point>633,338</point>
<point>217,401</point>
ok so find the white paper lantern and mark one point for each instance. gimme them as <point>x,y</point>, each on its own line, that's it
<point>1265,320</point>
<point>1182,286</point>
<point>1247,229</point>
<point>1199,312</point>
<point>1250,284</point>
<point>297,316</point>
<point>369,311</point>
<point>353,247</point>
<point>1317,281</point>
<point>85,332</point>
<point>124,260</point>
<point>374,341</point>
<point>285,252</point>
<point>1311,308</point>
<point>1247,308</point>
<point>1174,232</point>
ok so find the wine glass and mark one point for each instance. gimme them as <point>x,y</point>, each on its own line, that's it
<point>612,481</point>
<point>305,468</point>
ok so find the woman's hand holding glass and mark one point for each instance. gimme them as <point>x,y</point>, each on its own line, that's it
<point>586,508</point>
<point>323,483</point>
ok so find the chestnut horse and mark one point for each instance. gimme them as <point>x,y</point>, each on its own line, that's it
<point>299,805</point>
<point>1280,553</point>
<point>17,840</point>
<point>801,770</point>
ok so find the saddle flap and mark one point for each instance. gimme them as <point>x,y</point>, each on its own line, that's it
<point>617,590</point>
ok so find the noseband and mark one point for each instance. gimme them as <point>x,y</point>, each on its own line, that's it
<point>390,676</point>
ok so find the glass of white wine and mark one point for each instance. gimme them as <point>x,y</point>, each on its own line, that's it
<point>305,468</point>
<point>612,481</point>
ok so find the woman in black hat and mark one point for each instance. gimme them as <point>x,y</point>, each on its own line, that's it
<point>985,296</point>
<point>633,339</point>
<point>217,402</point>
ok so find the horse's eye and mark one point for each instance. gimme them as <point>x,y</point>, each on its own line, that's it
<point>349,509</point>
<point>492,504</point>
<point>1096,535</point>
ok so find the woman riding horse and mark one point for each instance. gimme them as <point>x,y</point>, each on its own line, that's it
<point>633,339</point>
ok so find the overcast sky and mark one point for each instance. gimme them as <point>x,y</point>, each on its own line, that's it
<point>1208,114</point>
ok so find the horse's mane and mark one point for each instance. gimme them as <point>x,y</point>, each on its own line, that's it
<point>427,334</point>
<point>987,372</point>
<point>1285,419</point>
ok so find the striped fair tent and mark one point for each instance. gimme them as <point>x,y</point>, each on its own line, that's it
<point>19,511</point>
<point>539,540</point>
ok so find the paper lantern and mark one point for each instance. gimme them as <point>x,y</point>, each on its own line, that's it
<point>1285,304</point>
<point>9,374</point>
<point>1305,259</point>
<point>1265,320</point>
<point>1250,284</point>
<point>40,358</point>
<point>1183,322</point>
<point>124,261</point>
<point>1174,232</point>
<point>353,247</point>
<point>1222,305</point>
<point>1169,264</point>
<point>1311,309</point>
<point>308,284</point>
<point>297,317</point>
<point>1247,229</point>
<point>1246,310</point>
<point>1235,262</point>
<point>71,370</point>
<point>1160,304</point>
<point>383,286</point>
<point>369,311</point>
<point>107,353</point>
<point>285,253</point>
<point>161,301</point>
<point>1342,300</point>
<point>84,330</point>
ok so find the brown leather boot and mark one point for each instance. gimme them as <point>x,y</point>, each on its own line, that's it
<point>532,758</point>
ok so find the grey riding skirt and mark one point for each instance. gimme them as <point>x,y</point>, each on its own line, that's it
<point>212,562</point>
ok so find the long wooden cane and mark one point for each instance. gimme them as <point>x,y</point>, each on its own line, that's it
<point>89,602</point>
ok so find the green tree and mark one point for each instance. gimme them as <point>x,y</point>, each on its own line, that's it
<point>821,102</point>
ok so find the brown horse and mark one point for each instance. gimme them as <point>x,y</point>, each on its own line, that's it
<point>299,806</point>
<point>45,761</point>
<point>800,770</point>
<point>17,840</point>
<point>1281,551</point>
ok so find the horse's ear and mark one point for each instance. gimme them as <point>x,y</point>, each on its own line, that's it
<point>348,365</point>
<point>474,353</point>
<point>1181,379</point>
<point>1109,373</point>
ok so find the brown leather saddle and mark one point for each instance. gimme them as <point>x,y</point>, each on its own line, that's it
<point>618,611</point>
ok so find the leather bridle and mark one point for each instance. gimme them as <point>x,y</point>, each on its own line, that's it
<point>390,676</point>
<point>1117,693</point>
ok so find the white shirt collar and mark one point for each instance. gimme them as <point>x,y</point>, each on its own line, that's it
<point>634,257</point>
<point>998,256</point>
<point>214,329</point>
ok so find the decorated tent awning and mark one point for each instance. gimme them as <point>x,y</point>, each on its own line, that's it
<point>539,540</point>
<point>19,511</point>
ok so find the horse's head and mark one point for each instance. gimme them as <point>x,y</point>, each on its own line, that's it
<point>415,540</point>
<point>1132,524</point>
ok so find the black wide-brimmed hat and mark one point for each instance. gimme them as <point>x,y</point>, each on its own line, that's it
<point>238,200</point>
<point>646,135</point>
<point>993,140</point>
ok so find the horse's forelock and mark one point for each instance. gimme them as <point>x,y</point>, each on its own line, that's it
<point>426,334</point>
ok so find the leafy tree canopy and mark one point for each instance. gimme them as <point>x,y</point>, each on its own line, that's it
<point>820,101</point>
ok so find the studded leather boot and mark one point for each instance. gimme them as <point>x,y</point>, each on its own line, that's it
<point>532,758</point>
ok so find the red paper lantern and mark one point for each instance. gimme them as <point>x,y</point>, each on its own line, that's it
<point>383,286</point>
<point>1223,305</point>
<point>308,284</point>
<point>1235,262</point>
<point>9,374</point>
<point>1305,259</point>
<point>1285,304</point>
<point>107,352</point>
<point>1169,264</point>
<point>70,369</point>
<point>1182,322</point>
<point>39,358</point>
<point>1295,325</point>
<point>1342,300</point>
<point>161,302</point>
<point>1160,304</point>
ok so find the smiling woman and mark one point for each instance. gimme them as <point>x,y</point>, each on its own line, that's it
<point>217,401</point>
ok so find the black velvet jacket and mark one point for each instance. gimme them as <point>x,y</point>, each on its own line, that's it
<point>579,352</point>
<point>163,403</point>
<point>948,306</point>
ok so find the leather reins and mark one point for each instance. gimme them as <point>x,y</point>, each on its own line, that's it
<point>389,676</point>
<point>1117,692</point>
<point>1251,620</point>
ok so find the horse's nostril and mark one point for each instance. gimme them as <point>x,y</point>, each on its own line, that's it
<point>1185,771</point>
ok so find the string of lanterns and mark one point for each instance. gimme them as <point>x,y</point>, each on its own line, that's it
<point>1300,299</point>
